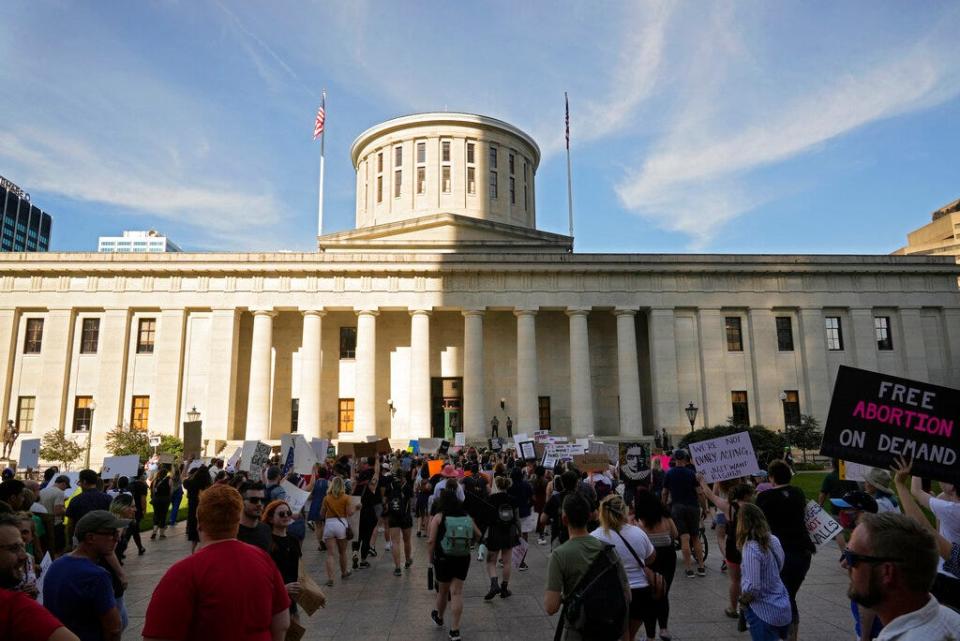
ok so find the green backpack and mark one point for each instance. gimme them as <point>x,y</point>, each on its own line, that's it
<point>457,537</point>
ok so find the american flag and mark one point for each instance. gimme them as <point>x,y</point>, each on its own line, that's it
<point>566,104</point>
<point>321,116</point>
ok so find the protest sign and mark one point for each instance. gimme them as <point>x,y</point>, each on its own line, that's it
<point>414,446</point>
<point>345,448</point>
<point>460,439</point>
<point>876,417</point>
<point>591,462</point>
<point>496,444</point>
<point>610,449</point>
<point>304,458</point>
<point>430,445</point>
<point>820,526</point>
<point>444,448</point>
<point>120,466</point>
<point>853,471</point>
<point>319,447</point>
<point>29,453</point>
<point>44,566</point>
<point>371,438</point>
<point>192,435</point>
<point>286,444</point>
<point>527,451</point>
<point>254,458</point>
<point>296,498</point>
<point>555,439</point>
<point>725,457</point>
<point>541,435</point>
<point>434,467</point>
<point>549,461</point>
<point>634,461</point>
<point>165,459</point>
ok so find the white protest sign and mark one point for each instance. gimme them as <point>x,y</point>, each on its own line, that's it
<point>296,498</point>
<point>725,457</point>
<point>246,454</point>
<point>44,566</point>
<point>555,439</point>
<point>610,449</point>
<point>29,453</point>
<point>120,466</point>
<point>541,436</point>
<point>304,457</point>
<point>194,464</point>
<point>234,459</point>
<point>549,461</point>
<point>584,442</point>
<point>853,471</point>
<point>286,442</point>
<point>460,439</point>
<point>320,446</point>
<point>260,460</point>
<point>820,526</point>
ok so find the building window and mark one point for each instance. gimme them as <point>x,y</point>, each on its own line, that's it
<point>446,179</point>
<point>294,414</point>
<point>25,407</point>
<point>470,152</point>
<point>493,185</point>
<point>140,414</point>
<point>145,335</point>
<point>421,152</point>
<point>471,181</point>
<point>834,333</point>
<point>445,151</point>
<point>544,409</point>
<point>82,414</point>
<point>791,408</point>
<point>397,182</point>
<point>421,180</point>
<point>345,415</point>
<point>734,334</point>
<point>34,336</point>
<point>348,342</point>
<point>397,156</point>
<point>884,339</point>
<point>784,333</point>
<point>493,157</point>
<point>512,163</point>
<point>380,161</point>
<point>90,336</point>
<point>379,189</point>
<point>741,413</point>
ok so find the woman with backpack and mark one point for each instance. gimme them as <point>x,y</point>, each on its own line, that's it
<point>636,552</point>
<point>654,519</point>
<point>399,499</point>
<point>503,533</point>
<point>449,537</point>
<point>423,490</point>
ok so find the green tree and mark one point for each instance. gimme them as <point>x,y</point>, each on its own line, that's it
<point>806,436</point>
<point>170,444</point>
<point>56,446</point>
<point>767,444</point>
<point>121,442</point>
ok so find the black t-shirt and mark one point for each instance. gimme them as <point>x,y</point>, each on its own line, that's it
<point>682,484</point>
<point>139,491</point>
<point>553,509</point>
<point>494,504</point>
<point>259,535</point>
<point>161,490</point>
<point>86,501</point>
<point>285,552</point>
<point>785,509</point>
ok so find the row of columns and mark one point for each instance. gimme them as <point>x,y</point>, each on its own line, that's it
<point>474,419</point>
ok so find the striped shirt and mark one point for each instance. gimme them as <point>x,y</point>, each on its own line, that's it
<point>760,577</point>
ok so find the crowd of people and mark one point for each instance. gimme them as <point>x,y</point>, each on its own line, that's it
<point>613,538</point>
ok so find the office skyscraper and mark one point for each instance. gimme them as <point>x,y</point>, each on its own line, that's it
<point>25,227</point>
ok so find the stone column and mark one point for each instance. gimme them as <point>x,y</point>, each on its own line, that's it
<point>815,370</point>
<point>911,343</point>
<point>864,338</point>
<point>165,403</point>
<point>419,412</point>
<point>763,360</point>
<point>474,418</point>
<point>219,413</point>
<point>628,375</point>
<point>581,387</point>
<point>528,383</point>
<point>258,398</point>
<point>663,371</point>
<point>310,360</point>
<point>56,350</point>
<point>365,396</point>
<point>8,355</point>
<point>716,395</point>
<point>951,346</point>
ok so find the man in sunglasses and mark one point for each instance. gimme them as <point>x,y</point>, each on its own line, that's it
<point>252,530</point>
<point>77,590</point>
<point>892,561</point>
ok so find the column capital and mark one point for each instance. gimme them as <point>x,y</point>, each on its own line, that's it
<point>525,312</point>
<point>263,311</point>
<point>473,312</point>
<point>663,311</point>
<point>308,311</point>
<point>623,311</point>
<point>421,312</point>
<point>577,311</point>
<point>367,312</point>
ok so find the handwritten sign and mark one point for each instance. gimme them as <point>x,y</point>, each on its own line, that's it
<point>725,457</point>
<point>29,453</point>
<point>612,450</point>
<point>820,526</point>
<point>460,439</point>
<point>527,450</point>
<point>541,436</point>
<point>254,458</point>
<point>120,466</point>
<point>853,471</point>
<point>592,462</point>
<point>876,417</point>
<point>296,498</point>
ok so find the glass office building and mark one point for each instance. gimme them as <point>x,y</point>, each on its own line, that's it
<point>25,227</point>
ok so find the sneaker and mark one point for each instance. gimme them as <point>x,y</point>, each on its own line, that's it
<point>701,571</point>
<point>455,635</point>
<point>494,591</point>
<point>504,592</point>
<point>436,618</point>
<point>388,546</point>
<point>408,564</point>
<point>162,535</point>
<point>141,551</point>
<point>397,572</point>
<point>419,534</point>
<point>690,574</point>
<point>154,535</point>
<point>355,563</point>
<point>541,541</point>
<point>363,565</point>
<point>372,552</point>
<point>523,567</point>
<point>723,566</point>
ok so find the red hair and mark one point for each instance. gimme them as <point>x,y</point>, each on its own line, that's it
<point>268,511</point>
<point>218,513</point>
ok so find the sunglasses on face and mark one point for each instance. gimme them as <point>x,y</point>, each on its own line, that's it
<point>283,513</point>
<point>852,559</point>
<point>256,500</point>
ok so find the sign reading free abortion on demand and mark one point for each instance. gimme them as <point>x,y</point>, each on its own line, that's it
<point>875,417</point>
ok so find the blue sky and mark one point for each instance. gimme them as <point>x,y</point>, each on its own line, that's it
<point>779,127</point>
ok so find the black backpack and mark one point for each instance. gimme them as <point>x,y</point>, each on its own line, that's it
<point>597,609</point>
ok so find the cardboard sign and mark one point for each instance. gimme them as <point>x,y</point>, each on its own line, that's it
<point>612,450</point>
<point>460,439</point>
<point>254,458</point>
<point>875,417</point>
<point>304,458</point>
<point>296,498</point>
<point>820,526</point>
<point>120,466</point>
<point>541,435</point>
<point>192,435</point>
<point>165,459</point>
<point>430,445</point>
<point>725,457</point>
<point>29,453</point>
<point>496,444</point>
<point>591,462</point>
<point>527,450</point>
<point>345,448</point>
<point>320,447</point>
<point>634,461</point>
<point>434,467</point>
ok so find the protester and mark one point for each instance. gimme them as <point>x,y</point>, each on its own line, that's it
<point>730,507</point>
<point>160,500</point>
<point>655,521</point>
<point>399,494</point>
<point>522,493</point>
<point>946,586</point>
<point>53,497</point>
<point>681,492</point>
<point>449,537</point>
<point>90,498</point>
<point>139,489</point>
<point>28,585</point>
<point>366,489</point>
<point>176,493</point>
<point>122,507</point>
<point>762,592</point>
<point>876,483</point>
<point>252,530</point>
<point>784,507</point>
<point>335,512</point>
<point>285,550</point>
<point>423,490</point>
<point>539,483</point>
<point>892,560</point>
<point>251,599</point>
<point>77,590</point>
<point>196,482</point>
<point>571,561</point>
<point>563,485</point>
<point>319,486</point>
<point>636,552</point>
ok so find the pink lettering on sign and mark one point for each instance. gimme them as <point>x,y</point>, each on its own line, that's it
<point>908,419</point>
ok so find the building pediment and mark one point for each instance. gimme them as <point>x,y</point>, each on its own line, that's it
<point>445,233</point>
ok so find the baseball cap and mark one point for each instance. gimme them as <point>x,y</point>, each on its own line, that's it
<point>62,479</point>
<point>857,500</point>
<point>8,473</point>
<point>682,455</point>
<point>98,520</point>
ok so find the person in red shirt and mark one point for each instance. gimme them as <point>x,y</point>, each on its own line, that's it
<point>227,588</point>
<point>21,617</point>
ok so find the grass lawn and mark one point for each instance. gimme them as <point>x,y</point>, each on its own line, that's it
<point>147,522</point>
<point>809,482</point>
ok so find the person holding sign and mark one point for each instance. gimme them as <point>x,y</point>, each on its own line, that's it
<point>737,495</point>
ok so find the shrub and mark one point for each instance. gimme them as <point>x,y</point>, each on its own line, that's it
<point>57,446</point>
<point>121,442</point>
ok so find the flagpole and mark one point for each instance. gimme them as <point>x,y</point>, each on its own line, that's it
<point>323,136</point>
<point>569,173</point>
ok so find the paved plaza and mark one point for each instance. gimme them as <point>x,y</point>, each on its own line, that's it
<point>374,604</point>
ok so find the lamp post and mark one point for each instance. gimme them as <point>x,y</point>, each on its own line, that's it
<point>691,411</point>
<point>86,458</point>
<point>193,414</point>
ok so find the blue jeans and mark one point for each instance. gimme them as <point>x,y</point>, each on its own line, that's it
<point>175,499</point>
<point>760,630</point>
